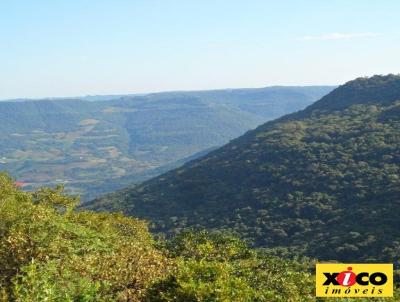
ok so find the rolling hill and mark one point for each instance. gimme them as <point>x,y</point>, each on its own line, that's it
<point>322,182</point>
<point>98,144</point>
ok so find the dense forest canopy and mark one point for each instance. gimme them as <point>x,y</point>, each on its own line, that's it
<point>315,183</point>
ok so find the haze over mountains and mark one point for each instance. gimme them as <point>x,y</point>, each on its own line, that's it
<point>101,143</point>
<point>322,182</point>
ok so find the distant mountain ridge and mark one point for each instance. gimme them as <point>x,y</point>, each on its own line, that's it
<point>99,144</point>
<point>310,90</point>
<point>322,182</point>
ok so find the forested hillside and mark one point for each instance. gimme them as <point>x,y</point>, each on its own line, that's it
<point>99,144</point>
<point>324,182</point>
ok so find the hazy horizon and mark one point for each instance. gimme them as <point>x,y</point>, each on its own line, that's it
<point>156,92</point>
<point>77,48</point>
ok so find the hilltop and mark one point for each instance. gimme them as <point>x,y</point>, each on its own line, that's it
<point>324,182</point>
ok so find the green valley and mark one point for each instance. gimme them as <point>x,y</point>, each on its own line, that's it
<point>95,145</point>
<point>199,151</point>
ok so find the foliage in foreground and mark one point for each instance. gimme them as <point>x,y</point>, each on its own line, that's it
<point>49,252</point>
<point>219,267</point>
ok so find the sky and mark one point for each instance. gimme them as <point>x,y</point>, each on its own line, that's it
<point>96,47</point>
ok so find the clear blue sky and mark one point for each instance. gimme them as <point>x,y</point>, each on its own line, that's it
<point>80,47</point>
